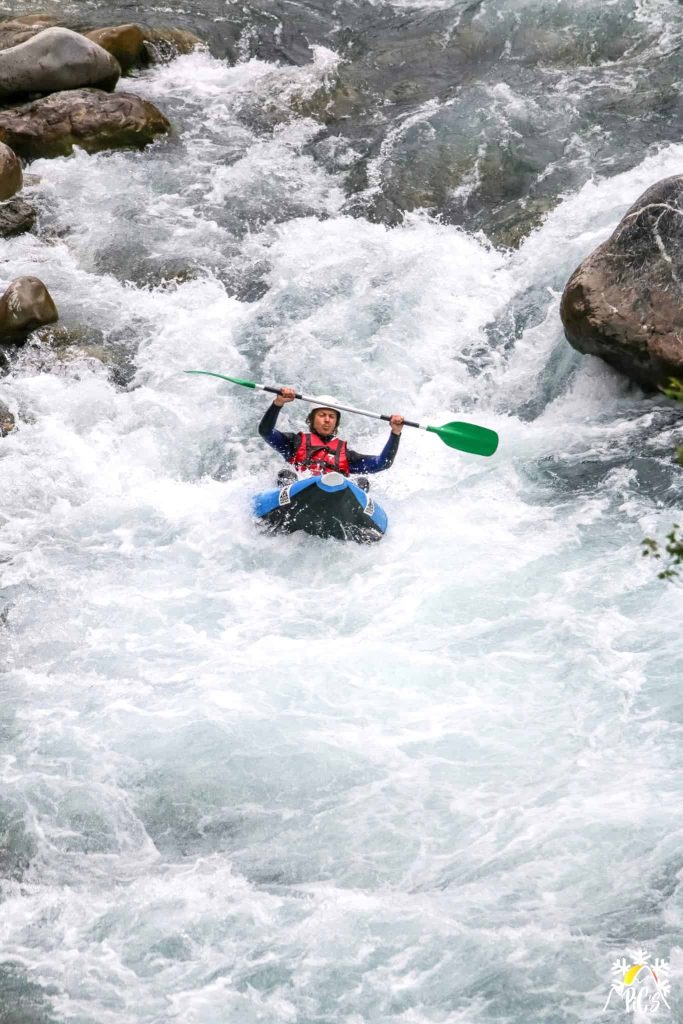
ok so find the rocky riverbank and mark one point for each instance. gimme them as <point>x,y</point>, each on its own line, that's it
<point>416,112</point>
<point>483,117</point>
<point>58,92</point>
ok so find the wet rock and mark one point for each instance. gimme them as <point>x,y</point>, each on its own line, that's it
<point>18,30</point>
<point>163,44</point>
<point>337,99</point>
<point>62,344</point>
<point>16,217</point>
<point>11,177</point>
<point>512,224</point>
<point>7,423</point>
<point>126,43</point>
<point>375,207</point>
<point>26,304</point>
<point>67,336</point>
<point>56,59</point>
<point>138,46</point>
<point>88,118</point>
<point>624,303</point>
<point>41,19</point>
<point>132,45</point>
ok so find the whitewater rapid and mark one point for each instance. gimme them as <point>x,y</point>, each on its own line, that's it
<point>280,779</point>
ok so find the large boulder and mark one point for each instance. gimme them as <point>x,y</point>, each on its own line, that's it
<point>88,118</point>
<point>56,59</point>
<point>25,304</point>
<point>11,175</point>
<point>624,303</point>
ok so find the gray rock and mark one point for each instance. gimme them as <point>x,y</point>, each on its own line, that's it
<point>56,59</point>
<point>16,217</point>
<point>25,304</point>
<point>11,176</point>
<point>624,303</point>
<point>88,118</point>
<point>63,337</point>
<point>61,347</point>
<point>7,422</point>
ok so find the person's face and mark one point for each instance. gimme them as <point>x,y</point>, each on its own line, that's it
<point>324,421</point>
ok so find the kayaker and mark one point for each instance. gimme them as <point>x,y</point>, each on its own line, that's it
<point>320,450</point>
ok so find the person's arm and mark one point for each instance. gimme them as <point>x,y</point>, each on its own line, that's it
<point>282,443</point>
<point>376,463</point>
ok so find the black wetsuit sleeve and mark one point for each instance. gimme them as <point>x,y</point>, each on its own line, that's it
<point>374,463</point>
<point>282,443</point>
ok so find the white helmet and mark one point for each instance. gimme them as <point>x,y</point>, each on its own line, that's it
<point>326,402</point>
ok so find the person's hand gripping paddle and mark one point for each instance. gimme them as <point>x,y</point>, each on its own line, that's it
<point>466,437</point>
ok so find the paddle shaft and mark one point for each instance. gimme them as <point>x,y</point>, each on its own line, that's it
<point>343,408</point>
<point>466,437</point>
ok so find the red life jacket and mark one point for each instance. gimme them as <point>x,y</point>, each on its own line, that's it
<point>320,456</point>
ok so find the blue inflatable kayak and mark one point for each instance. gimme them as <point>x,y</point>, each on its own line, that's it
<point>325,506</point>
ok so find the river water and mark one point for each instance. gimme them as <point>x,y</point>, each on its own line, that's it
<point>248,779</point>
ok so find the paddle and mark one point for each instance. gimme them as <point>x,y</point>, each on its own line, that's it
<point>466,437</point>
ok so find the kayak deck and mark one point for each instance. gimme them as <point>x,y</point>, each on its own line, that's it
<point>324,506</point>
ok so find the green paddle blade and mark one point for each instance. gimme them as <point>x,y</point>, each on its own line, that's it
<point>233,380</point>
<point>467,437</point>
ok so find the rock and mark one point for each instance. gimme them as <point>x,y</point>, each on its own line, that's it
<point>88,118</point>
<point>26,304</point>
<point>16,217</point>
<point>335,100</point>
<point>624,303</point>
<point>163,44</point>
<point>59,347</point>
<point>18,30</point>
<point>56,59</point>
<point>132,45</point>
<point>11,176</point>
<point>136,46</point>
<point>512,223</point>
<point>126,43</point>
<point>41,19</point>
<point>60,337</point>
<point>7,423</point>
